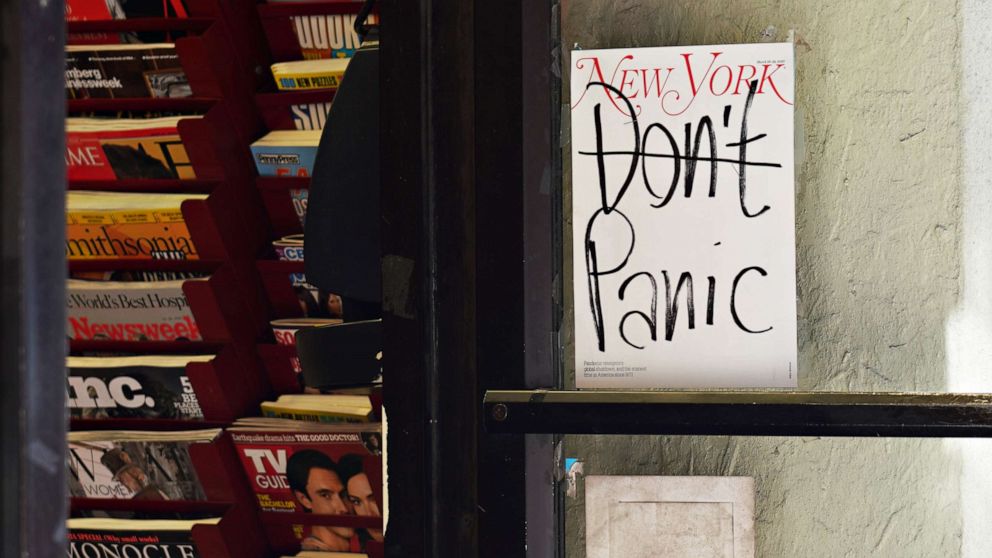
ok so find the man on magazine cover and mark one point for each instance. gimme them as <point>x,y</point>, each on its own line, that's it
<point>132,476</point>
<point>315,483</point>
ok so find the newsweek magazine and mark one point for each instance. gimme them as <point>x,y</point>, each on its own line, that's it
<point>129,311</point>
<point>92,537</point>
<point>132,387</point>
<point>136,465</point>
<point>329,469</point>
<point>126,148</point>
<point>128,226</point>
<point>124,71</point>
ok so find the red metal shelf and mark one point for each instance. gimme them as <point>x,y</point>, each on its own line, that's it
<point>151,506</point>
<point>297,518</point>
<point>139,24</point>
<point>158,425</point>
<point>187,104</point>
<point>193,186</point>
<point>282,183</point>
<point>113,264</point>
<point>144,347</point>
<point>277,361</point>
<point>275,106</point>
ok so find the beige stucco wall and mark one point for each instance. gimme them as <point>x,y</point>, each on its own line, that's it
<point>879,243</point>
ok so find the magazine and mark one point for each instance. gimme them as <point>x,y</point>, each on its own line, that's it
<point>126,148</point>
<point>285,330</point>
<point>309,74</point>
<point>328,36</point>
<point>310,116</point>
<point>101,537</point>
<point>132,387</point>
<point>330,469</point>
<point>139,465</point>
<point>286,152</point>
<point>320,407</point>
<point>123,71</point>
<point>129,311</point>
<point>128,226</point>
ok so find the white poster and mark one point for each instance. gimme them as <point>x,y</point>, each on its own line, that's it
<point>683,217</point>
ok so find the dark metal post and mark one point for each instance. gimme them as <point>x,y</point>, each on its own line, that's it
<point>32,396</point>
<point>428,246</point>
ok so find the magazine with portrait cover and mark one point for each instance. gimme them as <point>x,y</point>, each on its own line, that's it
<point>128,226</point>
<point>132,387</point>
<point>126,148</point>
<point>309,467</point>
<point>129,311</point>
<point>92,537</point>
<point>124,71</point>
<point>138,465</point>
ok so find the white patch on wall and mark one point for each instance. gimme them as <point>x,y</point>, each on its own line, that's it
<point>683,215</point>
<point>969,329</point>
<point>669,517</point>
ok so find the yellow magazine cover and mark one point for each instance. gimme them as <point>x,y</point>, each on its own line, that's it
<point>127,226</point>
<point>309,74</point>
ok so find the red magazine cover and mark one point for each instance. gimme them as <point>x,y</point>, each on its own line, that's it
<point>97,10</point>
<point>155,152</point>
<point>326,469</point>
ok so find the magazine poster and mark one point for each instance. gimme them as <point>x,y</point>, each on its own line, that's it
<point>319,472</point>
<point>136,470</point>
<point>683,196</point>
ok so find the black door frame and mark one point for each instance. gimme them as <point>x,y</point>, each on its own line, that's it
<point>470,181</point>
<point>33,419</point>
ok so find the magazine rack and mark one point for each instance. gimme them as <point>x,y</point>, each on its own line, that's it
<point>274,106</point>
<point>216,464</point>
<point>277,361</point>
<point>275,192</point>
<point>275,276</point>
<point>237,535</point>
<point>218,49</point>
<point>227,387</point>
